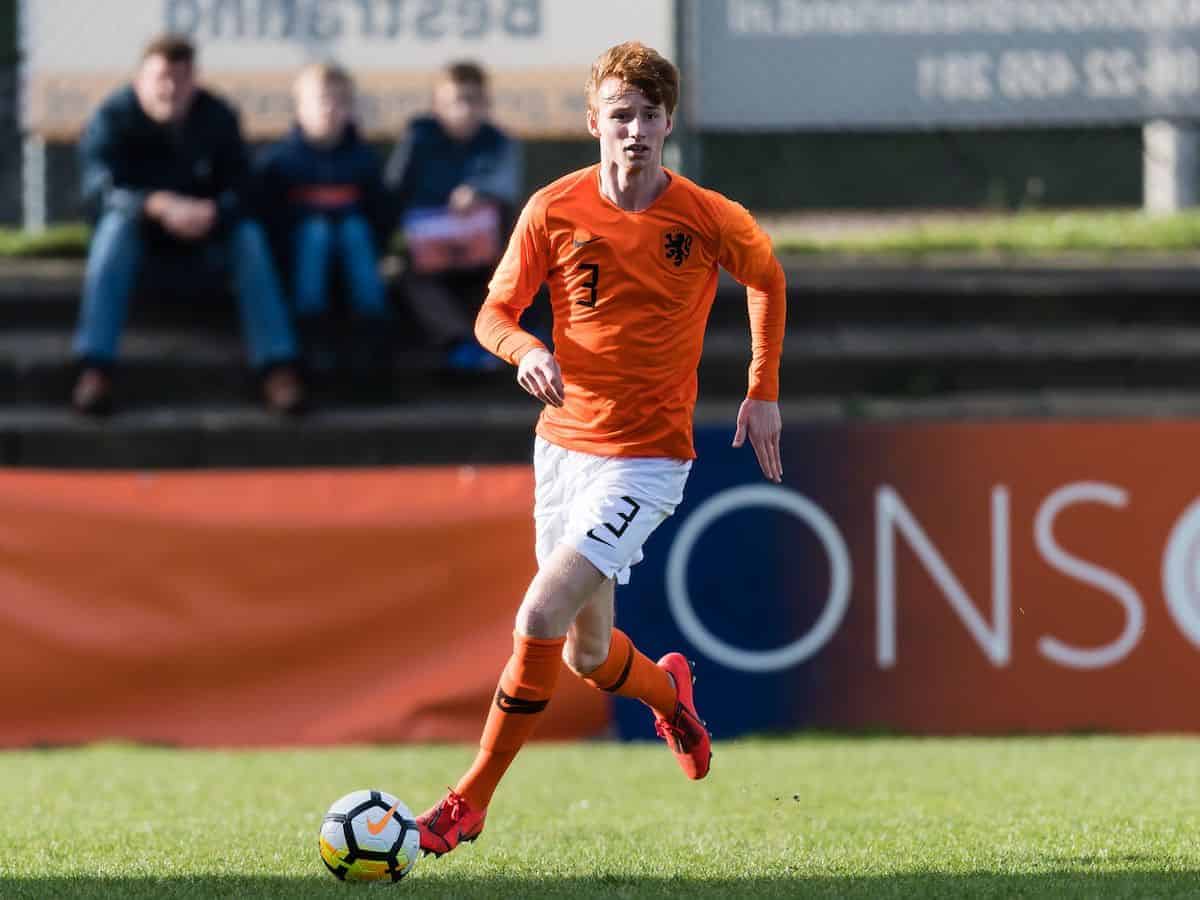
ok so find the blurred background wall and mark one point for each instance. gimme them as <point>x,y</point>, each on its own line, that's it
<point>833,168</point>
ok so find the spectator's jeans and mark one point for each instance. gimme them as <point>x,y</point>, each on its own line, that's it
<point>116,258</point>
<point>319,241</point>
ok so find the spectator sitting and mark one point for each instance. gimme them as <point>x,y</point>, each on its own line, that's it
<point>456,180</point>
<point>164,172</point>
<point>323,195</point>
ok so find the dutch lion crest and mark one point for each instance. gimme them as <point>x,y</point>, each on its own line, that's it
<point>677,245</point>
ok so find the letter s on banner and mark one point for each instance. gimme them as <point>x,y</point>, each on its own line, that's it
<point>749,497</point>
<point>1088,573</point>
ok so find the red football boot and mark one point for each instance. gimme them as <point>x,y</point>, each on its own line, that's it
<point>449,823</point>
<point>684,731</point>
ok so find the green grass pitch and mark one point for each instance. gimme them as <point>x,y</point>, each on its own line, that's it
<point>819,816</point>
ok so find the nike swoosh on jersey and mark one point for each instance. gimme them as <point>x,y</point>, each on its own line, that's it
<point>581,237</point>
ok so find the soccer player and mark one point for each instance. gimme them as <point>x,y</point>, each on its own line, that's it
<point>630,251</point>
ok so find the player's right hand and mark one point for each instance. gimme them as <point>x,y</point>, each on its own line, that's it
<point>540,376</point>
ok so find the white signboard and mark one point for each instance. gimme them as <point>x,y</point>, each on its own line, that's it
<point>537,52</point>
<point>787,64</point>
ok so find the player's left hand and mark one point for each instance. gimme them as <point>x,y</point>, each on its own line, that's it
<point>760,420</point>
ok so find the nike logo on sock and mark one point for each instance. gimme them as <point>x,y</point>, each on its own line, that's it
<point>509,704</point>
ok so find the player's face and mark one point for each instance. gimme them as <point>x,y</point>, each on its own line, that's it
<point>323,109</point>
<point>631,129</point>
<point>165,89</point>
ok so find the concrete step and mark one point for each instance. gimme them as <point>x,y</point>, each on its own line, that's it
<point>196,368</point>
<point>45,294</point>
<point>465,433</point>
<point>190,369</point>
<point>939,359</point>
<point>240,436</point>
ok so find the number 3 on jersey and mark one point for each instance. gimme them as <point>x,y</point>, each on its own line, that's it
<point>590,284</point>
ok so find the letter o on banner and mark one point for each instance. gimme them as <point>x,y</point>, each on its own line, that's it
<point>751,497</point>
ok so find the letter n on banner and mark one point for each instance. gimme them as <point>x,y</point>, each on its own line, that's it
<point>891,516</point>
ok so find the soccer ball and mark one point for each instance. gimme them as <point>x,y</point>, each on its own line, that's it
<point>369,836</point>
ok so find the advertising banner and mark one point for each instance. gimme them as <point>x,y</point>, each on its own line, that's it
<point>265,608</point>
<point>795,64</point>
<point>922,578</point>
<point>958,578</point>
<point>538,53</point>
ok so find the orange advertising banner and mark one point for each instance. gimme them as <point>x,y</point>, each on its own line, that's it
<point>1020,577</point>
<point>935,578</point>
<point>265,608</point>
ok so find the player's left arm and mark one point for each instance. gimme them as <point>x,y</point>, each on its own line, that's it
<point>746,253</point>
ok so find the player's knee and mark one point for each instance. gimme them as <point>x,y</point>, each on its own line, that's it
<point>583,657</point>
<point>548,608</point>
<point>539,620</point>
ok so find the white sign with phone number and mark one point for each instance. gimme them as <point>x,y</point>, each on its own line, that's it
<point>928,63</point>
<point>1101,73</point>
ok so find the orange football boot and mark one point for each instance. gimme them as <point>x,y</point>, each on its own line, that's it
<point>450,822</point>
<point>684,731</point>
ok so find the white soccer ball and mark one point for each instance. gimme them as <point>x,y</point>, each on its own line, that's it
<point>369,836</point>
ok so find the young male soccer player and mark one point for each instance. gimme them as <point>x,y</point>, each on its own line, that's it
<point>630,252</point>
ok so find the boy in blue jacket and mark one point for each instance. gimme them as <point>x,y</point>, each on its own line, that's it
<point>322,193</point>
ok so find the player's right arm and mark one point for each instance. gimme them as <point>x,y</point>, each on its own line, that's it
<point>521,271</point>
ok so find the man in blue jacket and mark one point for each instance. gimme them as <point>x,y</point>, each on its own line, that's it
<point>165,170</point>
<point>323,199</point>
<point>456,179</point>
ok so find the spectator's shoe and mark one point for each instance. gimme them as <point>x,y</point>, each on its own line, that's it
<point>283,391</point>
<point>684,731</point>
<point>448,824</point>
<point>468,356</point>
<point>93,393</point>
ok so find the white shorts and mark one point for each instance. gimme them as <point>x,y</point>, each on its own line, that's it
<point>604,507</point>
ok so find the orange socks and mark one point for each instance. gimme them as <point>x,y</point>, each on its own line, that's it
<point>525,688</point>
<point>628,673</point>
<point>524,691</point>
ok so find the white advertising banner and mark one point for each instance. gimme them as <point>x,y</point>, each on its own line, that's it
<point>537,53</point>
<point>791,64</point>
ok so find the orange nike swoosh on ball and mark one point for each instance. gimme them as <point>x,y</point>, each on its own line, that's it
<point>376,827</point>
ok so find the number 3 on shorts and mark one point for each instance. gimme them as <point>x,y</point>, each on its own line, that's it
<point>625,517</point>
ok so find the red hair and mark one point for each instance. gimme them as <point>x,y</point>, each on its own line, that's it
<point>641,67</point>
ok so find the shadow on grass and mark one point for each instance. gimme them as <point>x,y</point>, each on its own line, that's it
<point>984,884</point>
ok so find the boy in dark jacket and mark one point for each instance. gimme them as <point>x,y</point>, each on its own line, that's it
<point>456,179</point>
<point>165,171</point>
<point>322,191</point>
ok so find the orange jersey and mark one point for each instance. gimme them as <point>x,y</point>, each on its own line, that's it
<point>631,293</point>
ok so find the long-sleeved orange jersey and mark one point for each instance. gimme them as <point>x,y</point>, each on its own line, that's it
<point>631,293</point>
